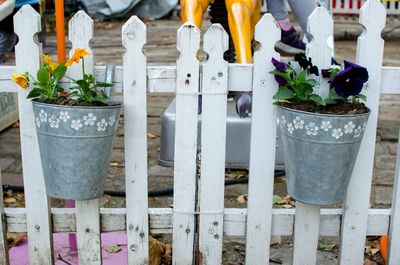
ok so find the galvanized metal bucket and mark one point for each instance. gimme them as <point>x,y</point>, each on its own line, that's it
<point>319,153</point>
<point>75,146</point>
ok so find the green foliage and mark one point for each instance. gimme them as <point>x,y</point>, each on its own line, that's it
<point>298,88</point>
<point>46,86</point>
<point>87,90</point>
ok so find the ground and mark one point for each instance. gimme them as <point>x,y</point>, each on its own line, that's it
<point>161,50</point>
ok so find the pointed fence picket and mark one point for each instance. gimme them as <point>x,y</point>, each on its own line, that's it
<point>135,115</point>
<point>213,139</point>
<point>307,220</point>
<point>81,29</point>
<point>27,57</point>
<point>262,145</point>
<point>187,92</point>
<point>372,17</point>
<point>199,222</point>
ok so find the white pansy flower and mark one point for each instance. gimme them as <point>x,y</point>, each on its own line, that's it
<point>76,124</point>
<point>298,123</point>
<point>290,128</point>
<point>89,119</point>
<point>312,129</point>
<point>54,121</point>
<point>102,125</point>
<point>337,133</point>
<point>349,127</point>
<point>43,116</point>
<point>64,116</point>
<point>326,125</point>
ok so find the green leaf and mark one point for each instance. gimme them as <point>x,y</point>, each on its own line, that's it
<point>317,99</point>
<point>59,72</point>
<point>334,95</point>
<point>43,75</point>
<point>101,84</point>
<point>327,247</point>
<point>34,93</point>
<point>330,101</point>
<point>362,97</point>
<point>283,94</point>
<point>277,200</point>
<point>113,249</point>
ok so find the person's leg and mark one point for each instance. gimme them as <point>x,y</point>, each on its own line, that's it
<point>301,10</point>
<point>290,41</point>
<point>193,10</point>
<point>241,18</point>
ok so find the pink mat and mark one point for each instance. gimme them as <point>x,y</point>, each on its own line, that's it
<point>19,255</point>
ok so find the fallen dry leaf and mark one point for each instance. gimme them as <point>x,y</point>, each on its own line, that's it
<point>10,200</point>
<point>15,239</point>
<point>113,249</point>
<point>151,135</point>
<point>16,124</point>
<point>156,251</point>
<point>369,262</point>
<point>242,198</point>
<point>237,174</point>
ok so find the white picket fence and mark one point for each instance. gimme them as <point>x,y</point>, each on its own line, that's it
<point>352,7</point>
<point>213,80</point>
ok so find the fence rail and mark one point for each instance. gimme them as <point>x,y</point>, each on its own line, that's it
<point>199,193</point>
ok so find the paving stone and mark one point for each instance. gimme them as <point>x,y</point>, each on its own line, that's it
<point>383,195</point>
<point>385,162</point>
<point>383,177</point>
<point>5,163</point>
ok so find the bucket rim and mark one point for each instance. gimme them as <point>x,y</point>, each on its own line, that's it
<point>116,104</point>
<point>327,115</point>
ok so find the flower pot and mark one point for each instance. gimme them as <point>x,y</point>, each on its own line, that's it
<point>75,145</point>
<point>319,153</point>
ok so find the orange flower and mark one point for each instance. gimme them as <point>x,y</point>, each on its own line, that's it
<point>21,79</point>
<point>76,57</point>
<point>48,60</point>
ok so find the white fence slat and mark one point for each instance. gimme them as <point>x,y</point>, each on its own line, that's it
<point>394,232</point>
<point>307,218</point>
<point>213,139</point>
<point>187,85</point>
<point>320,26</point>
<point>354,224</point>
<point>306,231</point>
<point>135,126</point>
<point>28,57</point>
<point>88,232</point>
<point>262,145</point>
<point>87,212</point>
<point>3,229</point>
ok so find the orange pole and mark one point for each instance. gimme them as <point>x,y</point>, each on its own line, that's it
<point>60,30</point>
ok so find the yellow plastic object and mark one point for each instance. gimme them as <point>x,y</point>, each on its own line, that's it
<point>243,15</point>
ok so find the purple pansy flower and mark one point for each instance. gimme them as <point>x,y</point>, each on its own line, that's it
<point>281,67</point>
<point>350,81</point>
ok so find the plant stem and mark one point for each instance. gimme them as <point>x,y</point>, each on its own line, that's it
<point>83,66</point>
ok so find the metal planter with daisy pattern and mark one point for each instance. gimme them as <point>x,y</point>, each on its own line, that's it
<point>75,145</point>
<point>320,151</point>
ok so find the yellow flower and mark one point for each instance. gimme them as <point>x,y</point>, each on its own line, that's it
<point>76,57</point>
<point>20,79</point>
<point>48,60</point>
